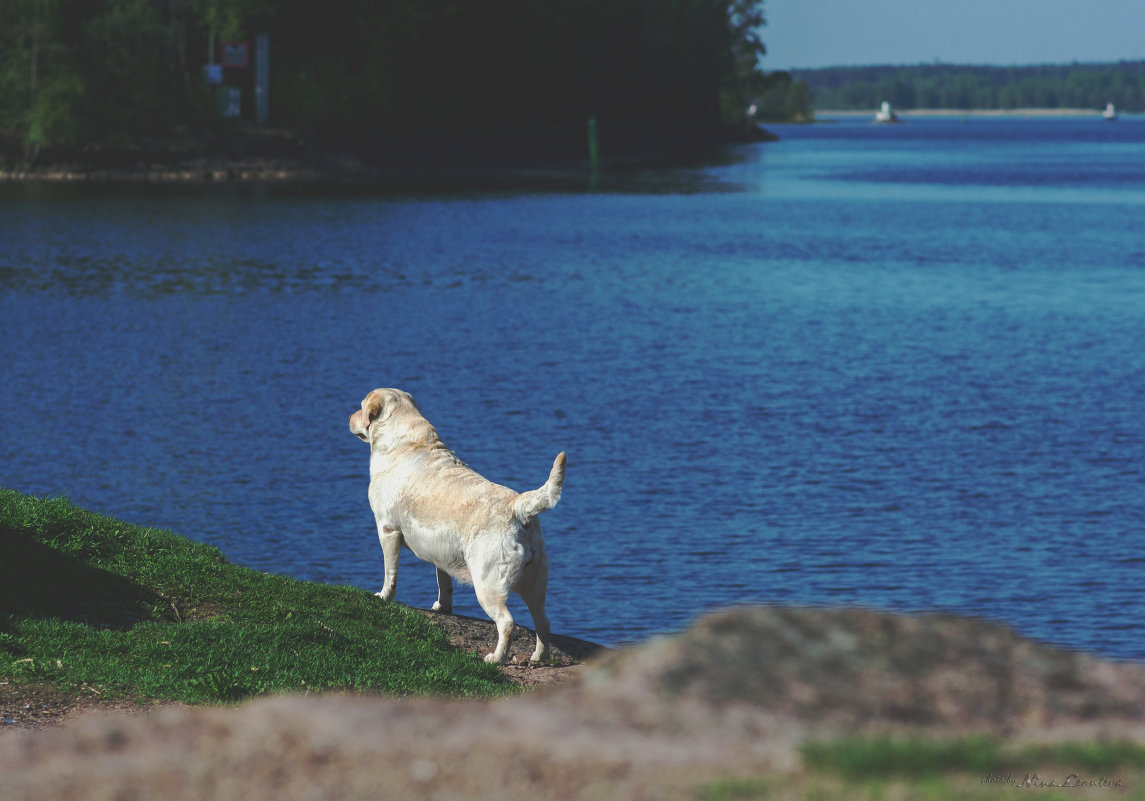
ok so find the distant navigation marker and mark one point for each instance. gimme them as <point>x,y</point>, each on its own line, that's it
<point>885,114</point>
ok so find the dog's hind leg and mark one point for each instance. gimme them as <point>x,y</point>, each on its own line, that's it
<point>534,596</point>
<point>493,603</point>
<point>444,593</point>
<point>541,624</point>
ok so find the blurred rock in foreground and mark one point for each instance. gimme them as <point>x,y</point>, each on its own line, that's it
<point>854,669</point>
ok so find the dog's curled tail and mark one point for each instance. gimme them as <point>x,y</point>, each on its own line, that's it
<point>530,504</point>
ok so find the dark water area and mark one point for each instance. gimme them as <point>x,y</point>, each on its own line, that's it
<point>898,367</point>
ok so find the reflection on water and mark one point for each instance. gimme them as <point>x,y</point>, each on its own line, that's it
<point>208,239</point>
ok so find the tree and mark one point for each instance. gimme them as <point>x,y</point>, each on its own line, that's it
<point>784,99</point>
<point>115,70</point>
<point>742,76</point>
<point>39,87</point>
<point>970,87</point>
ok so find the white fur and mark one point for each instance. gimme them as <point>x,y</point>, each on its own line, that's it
<point>473,530</point>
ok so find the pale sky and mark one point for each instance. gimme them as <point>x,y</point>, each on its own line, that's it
<point>833,33</point>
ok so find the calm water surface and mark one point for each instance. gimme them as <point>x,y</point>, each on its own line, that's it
<point>898,367</point>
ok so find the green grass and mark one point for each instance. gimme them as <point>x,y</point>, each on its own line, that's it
<point>976,768</point>
<point>862,758</point>
<point>865,758</point>
<point>89,604</point>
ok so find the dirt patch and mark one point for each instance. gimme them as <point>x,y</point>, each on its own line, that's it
<point>29,706</point>
<point>479,637</point>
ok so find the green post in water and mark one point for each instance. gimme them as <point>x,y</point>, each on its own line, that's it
<point>593,145</point>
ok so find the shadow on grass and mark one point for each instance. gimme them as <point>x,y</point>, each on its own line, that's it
<point>40,582</point>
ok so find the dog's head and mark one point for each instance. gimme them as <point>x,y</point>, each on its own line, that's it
<point>379,408</point>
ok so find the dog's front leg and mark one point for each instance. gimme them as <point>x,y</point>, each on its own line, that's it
<point>444,593</point>
<point>391,540</point>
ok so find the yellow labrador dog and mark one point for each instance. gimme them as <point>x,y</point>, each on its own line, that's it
<point>473,530</point>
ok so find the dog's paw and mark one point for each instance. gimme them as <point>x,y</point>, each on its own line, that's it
<point>438,607</point>
<point>493,660</point>
<point>385,596</point>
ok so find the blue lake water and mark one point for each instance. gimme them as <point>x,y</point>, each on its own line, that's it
<point>899,367</point>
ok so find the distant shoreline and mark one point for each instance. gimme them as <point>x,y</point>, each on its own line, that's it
<point>969,112</point>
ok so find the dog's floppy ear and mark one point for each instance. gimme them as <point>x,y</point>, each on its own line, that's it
<point>372,407</point>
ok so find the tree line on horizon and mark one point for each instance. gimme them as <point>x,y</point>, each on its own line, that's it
<point>944,86</point>
<point>76,72</point>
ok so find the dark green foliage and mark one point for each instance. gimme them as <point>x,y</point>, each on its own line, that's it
<point>942,86</point>
<point>90,602</point>
<point>783,99</point>
<point>84,71</point>
<point>41,90</point>
<point>437,67</point>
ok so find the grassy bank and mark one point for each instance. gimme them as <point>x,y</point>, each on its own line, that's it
<point>91,606</point>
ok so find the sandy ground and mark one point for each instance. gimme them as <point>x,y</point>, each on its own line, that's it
<point>734,695</point>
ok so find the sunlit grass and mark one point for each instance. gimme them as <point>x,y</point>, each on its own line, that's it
<point>89,604</point>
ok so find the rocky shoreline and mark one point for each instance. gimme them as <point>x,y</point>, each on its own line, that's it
<point>249,171</point>
<point>266,156</point>
<point>209,168</point>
